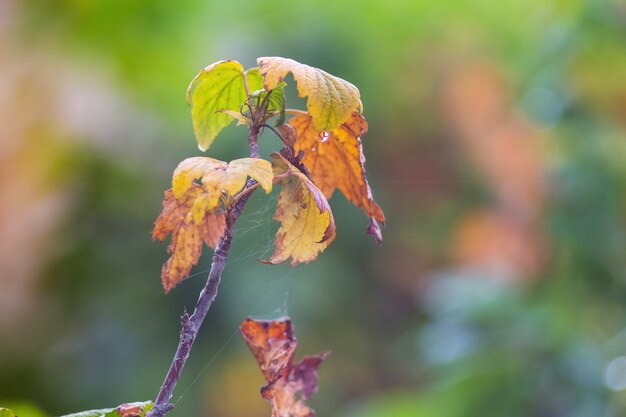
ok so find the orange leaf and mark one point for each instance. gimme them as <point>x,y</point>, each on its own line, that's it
<point>307,224</point>
<point>288,384</point>
<point>335,160</point>
<point>190,224</point>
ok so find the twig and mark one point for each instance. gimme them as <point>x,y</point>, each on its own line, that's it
<point>191,324</point>
<point>245,191</point>
<point>281,137</point>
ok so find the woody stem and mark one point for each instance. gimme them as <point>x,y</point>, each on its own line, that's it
<point>191,324</point>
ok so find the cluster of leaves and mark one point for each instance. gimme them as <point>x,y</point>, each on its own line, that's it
<point>289,384</point>
<point>321,152</point>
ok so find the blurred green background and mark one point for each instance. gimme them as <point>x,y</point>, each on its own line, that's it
<point>497,148</point>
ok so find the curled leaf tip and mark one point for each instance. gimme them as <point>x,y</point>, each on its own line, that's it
<point>374,230</point>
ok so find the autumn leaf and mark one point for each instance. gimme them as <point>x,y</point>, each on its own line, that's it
<point>335,159</point>
<point>191,211</point>
<point>190,227</point>
<point>331,100</point>
<point>219,177</point>
<point>214,93</point>
<point>307,224</point>
<point>289,384</point>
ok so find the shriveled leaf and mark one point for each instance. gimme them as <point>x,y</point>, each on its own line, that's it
<point>125,410</point>
<point>289,384</point>
<point>191,224</point>
<point>289,134</point>
<point>331,100</point>
<point>218,177</point>
<point>335,159</point>
<point>307,223</point>
<point>272,344</point>
<point>220,86</point>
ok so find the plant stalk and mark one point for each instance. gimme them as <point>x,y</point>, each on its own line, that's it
<point>191,324</point>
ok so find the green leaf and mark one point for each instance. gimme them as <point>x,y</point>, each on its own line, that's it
<point>216,88</point>
<point>110,412</point>
<point>5,412</point>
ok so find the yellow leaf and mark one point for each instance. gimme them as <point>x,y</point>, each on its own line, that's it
<point>335,160</point>
<point>331,100</point>
<point>195,168</point>
<point>218,177</point>
<point>238,170</point>
<point>307,224</point>
<point>190,228</point>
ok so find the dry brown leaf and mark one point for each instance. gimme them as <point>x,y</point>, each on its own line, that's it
<point>331,100</point>
<point>288,384</point>
<point>190,224</point>
<point>307,224</point>
<point>335,159</point>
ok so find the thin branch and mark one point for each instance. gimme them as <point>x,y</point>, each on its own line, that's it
<point>245,191</point>
<point>281,137</point>
<point>191,324</point>
<point>283,175</point>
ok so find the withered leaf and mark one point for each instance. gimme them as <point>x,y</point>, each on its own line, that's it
<point>289,384</point>
<point>307,223</point>
<point>335,159</point>
<point>191,225</point>
<point>331,100</point>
